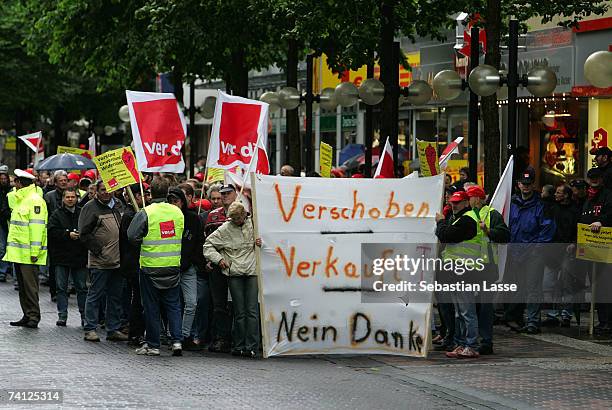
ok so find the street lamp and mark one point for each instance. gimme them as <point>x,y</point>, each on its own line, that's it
<point>124,113</point>
<point>598,69</point>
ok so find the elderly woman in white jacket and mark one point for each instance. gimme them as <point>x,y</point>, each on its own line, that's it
<point>232,247</point>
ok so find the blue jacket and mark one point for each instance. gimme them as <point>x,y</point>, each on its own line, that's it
<point>528,221</point>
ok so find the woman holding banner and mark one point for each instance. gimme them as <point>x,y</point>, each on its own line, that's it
<point>232,247</point>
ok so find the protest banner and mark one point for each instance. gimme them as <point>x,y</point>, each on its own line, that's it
<point>428,157</point>
<point>325,160</point>
<point>309,267</point>
<point>159,129</point>
<point>73,150</point>
<point>238,125</point>
<point>117,168</point>
<point>594,246</point>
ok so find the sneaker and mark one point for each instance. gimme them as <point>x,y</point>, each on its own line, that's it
<point>145,350</point>
<point>177,349</point>
<point>249,353</point>
<point>468,353</point>
<point>135,341</point>
<point>61,323</point>
<point>237,352</point>
<point>91,336</point>
<point>455,353</point>
<point>485,350</point>
<point>117,337</point>
<point>438,340</point>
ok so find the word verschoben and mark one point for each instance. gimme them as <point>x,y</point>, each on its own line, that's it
<point>404,263</point>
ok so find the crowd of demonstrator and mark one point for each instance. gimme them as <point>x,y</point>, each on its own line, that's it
<point>172,261</point>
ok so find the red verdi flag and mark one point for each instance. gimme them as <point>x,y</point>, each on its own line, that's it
<point>238,125</point>
<point>159,129</point>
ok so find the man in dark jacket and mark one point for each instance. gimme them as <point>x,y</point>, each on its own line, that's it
<point>530,227</point>
<point>597,213</point>
<point>99,224</point>
<point>453,231</point>
<point>130,269</point>
<point>561,258</point>
<point>603,158</point>
<point>54,198</point>
<point>579,194</point>
<point>218,281</point>
<point>5,215</point>
<point>68,255</point>
<point>192,261</point>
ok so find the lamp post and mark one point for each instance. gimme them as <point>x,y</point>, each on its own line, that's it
<point>473,108</point>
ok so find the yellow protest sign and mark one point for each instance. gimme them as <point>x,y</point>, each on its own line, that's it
<point>428,158</point>
<point>73,150</point>
<point>591,246</point>
<point>325,160</point>
<point>215,174</point>
<point>117,168</point>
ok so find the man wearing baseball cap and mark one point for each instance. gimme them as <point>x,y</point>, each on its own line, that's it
<point>530,226</point>
<point>579,192</point>
<point>27,244</point>
<point>603,158</point>
<point>459,233</point>
<point>494,230</point>
<point>597,213</point>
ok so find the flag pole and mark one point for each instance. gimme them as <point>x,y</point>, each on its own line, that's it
<point>202,190</point>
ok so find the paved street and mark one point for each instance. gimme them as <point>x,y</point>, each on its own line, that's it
<point>525,373</point>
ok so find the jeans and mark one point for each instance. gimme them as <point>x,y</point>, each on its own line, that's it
<point>531,266</point>
<point>104,283</point>
<point>4,266</point>
<point>245,332</point>
<point>199,330</point>
<point>151,300</point>
<point>466,328</point>
<point>221,317</point>
<point>126,299</point>
<point>79,277</point>
<point>189,288</point>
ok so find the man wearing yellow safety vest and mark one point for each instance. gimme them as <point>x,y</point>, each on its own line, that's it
<point>158,228</point>
<point>27,244</point>
<point>495,230</point>
<point>460,234</point>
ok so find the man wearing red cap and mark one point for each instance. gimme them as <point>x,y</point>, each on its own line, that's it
<point>459,233</point>
<point>494,230</point>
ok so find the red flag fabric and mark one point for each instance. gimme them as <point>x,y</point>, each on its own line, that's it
<point>159,129</point>
<point>263,165</point>
<point>238,125</point>
<point>33,141</point>
<point>386,168</point>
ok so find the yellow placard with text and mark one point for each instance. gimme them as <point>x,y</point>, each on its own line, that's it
<point>428,158</point>
<point>325,160</point>
<point>215,174</point>
<point>117,168</point>
<point>73,150</point>
<point>594,246</point>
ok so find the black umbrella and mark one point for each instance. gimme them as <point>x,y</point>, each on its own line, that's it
<point>66,162</point>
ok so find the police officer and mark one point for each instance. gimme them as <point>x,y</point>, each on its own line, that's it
<point>27,244</point>
<point>158,228</point>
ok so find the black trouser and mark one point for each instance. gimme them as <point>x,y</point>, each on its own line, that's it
<point>136,314</point>
<point>52,283</point>
<point>221,318</point>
